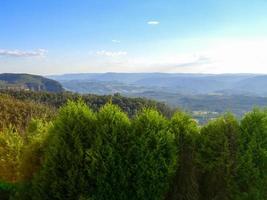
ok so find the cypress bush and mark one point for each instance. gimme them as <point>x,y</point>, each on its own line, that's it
<point>218,149</point>
<point>106,156</point>
<point>252,170</point>
<point>83,155</point>
<point>113,127</point>
<point>63,175</point>
<point>184,184</point>
<point>153,156</point>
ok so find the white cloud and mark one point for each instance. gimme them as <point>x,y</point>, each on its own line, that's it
<point>23,53</point>
<point>116,41</point>
<point>193,61</point>
<point>111,53</point>
<point>153,22</point>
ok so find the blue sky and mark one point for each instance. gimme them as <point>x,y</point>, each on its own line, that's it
<point>67,36</point>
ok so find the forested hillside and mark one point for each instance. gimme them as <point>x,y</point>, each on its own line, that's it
<point>29,82</point>
<point>92,149</point>
<point>17,114</point>
<point>129,105</point>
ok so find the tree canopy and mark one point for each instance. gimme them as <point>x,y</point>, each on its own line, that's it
<point>80,153</point>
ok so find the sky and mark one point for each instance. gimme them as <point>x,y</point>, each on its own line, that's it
<point>175,36</point>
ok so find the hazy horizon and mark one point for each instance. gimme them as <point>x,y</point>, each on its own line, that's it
<point>110,72</point>
<point>190,73</point>
<point>98,36</point>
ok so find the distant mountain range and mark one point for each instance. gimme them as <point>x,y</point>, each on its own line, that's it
<point>29,82</point>
<point>185,84</point>
<point>205,96</point>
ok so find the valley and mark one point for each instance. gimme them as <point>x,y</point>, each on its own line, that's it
<point>204,96</point>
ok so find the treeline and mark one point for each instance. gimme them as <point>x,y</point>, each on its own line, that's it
<point>129,105</point>
<point>88,155</point>
<point>16,114</point>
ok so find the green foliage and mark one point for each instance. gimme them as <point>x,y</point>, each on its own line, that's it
<point>153,156</point>
<point>35,143</point>
<point>20,155</point>
<point>252,170</point>
<point>6,189</point>
<point>106,156</point>
<point>18,114</point>
<point>185,183</point>
<point>64,172</point>
<point>113,171</point>
<point>218,148</point>
<point>87,155</point>
<point>11,144</point>
<point>131,106</point>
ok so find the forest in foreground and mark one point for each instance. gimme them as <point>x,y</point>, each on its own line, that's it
<point>68,147</point>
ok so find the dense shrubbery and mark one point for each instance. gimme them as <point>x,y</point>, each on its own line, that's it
<point>106,156</point>
<point>218,146</point>
<point>21,154</point>
<point>252,162</point>
<point>184,184</point>
<point>6,189</point>
<point>87,155</point>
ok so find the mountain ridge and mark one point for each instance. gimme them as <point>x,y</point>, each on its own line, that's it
<point>23,81</point>
<point>184,83</point>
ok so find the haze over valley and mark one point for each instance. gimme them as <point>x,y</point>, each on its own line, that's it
<point>205,96</point>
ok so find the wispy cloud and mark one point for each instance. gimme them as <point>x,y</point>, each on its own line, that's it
<point>184,63</point>
<point>153,22</point>
<point>23,53</point>
<point>111,53</point>
<point>200,60</point>
<point>116,41</point>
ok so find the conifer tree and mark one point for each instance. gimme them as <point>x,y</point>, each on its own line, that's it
<point>154,156</point>
<point>218,149</point>
<point>113,127</point>
<point>63,176</point>
<point>184,185</point>
<point>252,170</point>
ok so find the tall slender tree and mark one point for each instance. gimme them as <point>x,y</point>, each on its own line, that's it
<point>252,170</point>
<point>184,185</point>
<point>218,147</point>
<point>154,156</point>
<point>113,126</point>
<point>63,173</point>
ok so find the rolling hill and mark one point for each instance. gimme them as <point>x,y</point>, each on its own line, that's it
<point>29,82</point>
<point>129,83</point>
